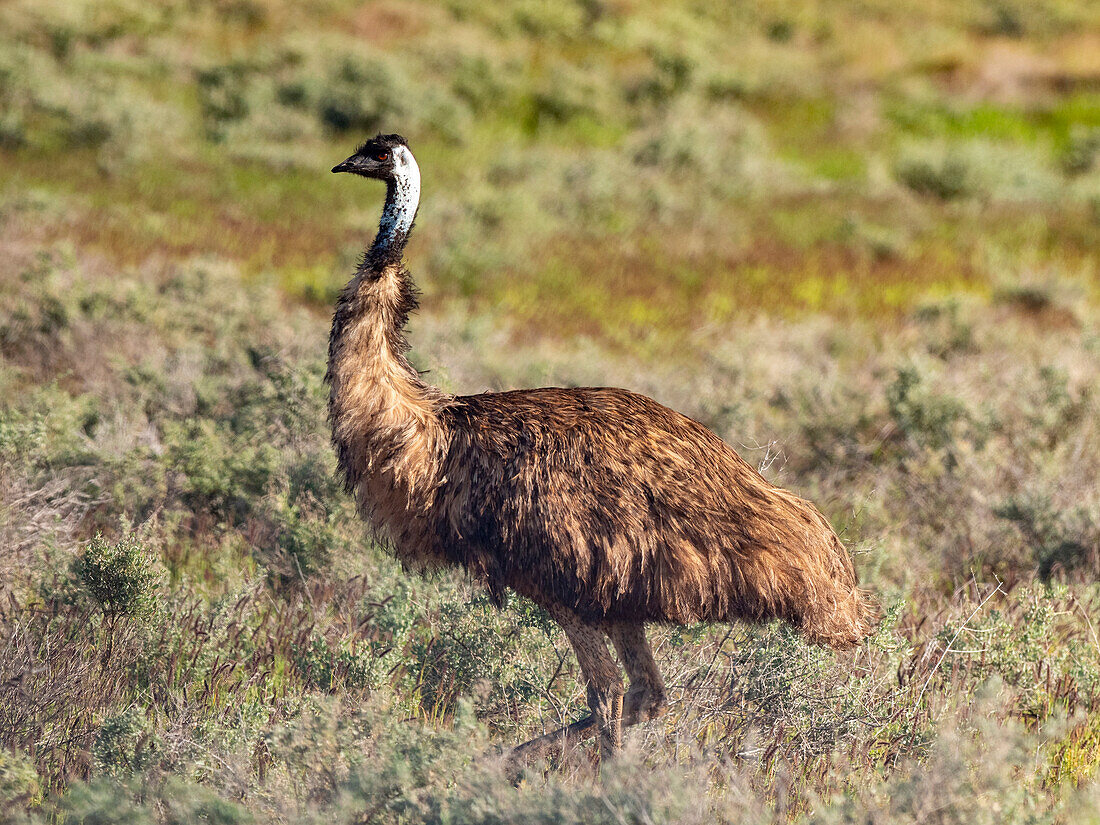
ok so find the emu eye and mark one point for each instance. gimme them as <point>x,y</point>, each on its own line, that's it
<point>380,156</point>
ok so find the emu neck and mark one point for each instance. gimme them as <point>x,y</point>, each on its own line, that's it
<point>385,422</point>
<point>402,201</point>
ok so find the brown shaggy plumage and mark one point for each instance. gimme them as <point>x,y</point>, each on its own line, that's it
<point>601,505</point>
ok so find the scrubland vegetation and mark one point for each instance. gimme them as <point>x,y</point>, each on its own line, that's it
<point>858,240</point>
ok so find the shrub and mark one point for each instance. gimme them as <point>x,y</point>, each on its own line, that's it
<point>925,417</point>
<point>1062,541</point>
<point>19,783</point>
<point>106,801</point>
<point>498,657</point>
<point>979,168</point>
<point>948,332</point>
<point>481,84</point>
<point>305,536</point>
<point>103,802</point>
<point>945,176</point>
<point>1082,150</point>
<point>1053,412</point>
<point>124,744</point>
<point>120,576</point>
<point>671,74</point>
<point>361,95</point>
<point>219,472</point>
<point>342,666</point>
<point>223,95</point>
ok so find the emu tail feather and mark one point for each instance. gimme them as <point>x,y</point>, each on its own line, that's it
<point>847,615</point>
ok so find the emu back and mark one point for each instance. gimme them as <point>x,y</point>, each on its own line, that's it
<point>622,509</point>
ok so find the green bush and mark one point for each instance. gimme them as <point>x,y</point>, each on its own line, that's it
<point>948,331</point>
<point>361,95</point>
<point>339,667</point>
<point>476,651</point>
<point>1082,150</point>
<point>218,472</point>
<point>979,168</point>
<point>945,176</point>
<point>926,417</point>
<point>103,802</point>
<point>19,782</point>
<point>1063,542</point>
<point>121,576</point>
<point>124,744</point>
<point>223,95</point>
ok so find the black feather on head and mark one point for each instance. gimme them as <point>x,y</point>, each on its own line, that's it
<point>381,141</point>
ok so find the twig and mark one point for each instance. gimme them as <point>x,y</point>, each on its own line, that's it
<point>947,648</point>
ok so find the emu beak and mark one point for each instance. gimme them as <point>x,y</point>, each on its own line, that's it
<point>347,166</point>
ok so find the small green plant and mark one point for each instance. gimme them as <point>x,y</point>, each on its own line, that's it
<point>1082,151</point>
<point>341,666</point>
<point>927,418</point>
<point>947,177</point>
<point>119,575</point>
<point>1061,541</point>
<point>124,744</point>
<point>19,783</point>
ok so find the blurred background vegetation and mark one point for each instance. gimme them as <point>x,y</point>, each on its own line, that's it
<point>856,238</point>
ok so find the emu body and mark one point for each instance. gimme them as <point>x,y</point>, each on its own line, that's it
<point>603,506</point>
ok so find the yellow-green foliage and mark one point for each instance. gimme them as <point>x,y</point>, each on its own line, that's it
<point>1077,758</point>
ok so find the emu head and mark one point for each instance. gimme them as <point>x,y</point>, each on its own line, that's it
<point>382,157</point>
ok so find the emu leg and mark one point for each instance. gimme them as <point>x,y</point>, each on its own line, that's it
<point>603,681</point>
<point>604,688</point>
<point>639,705</point>
<point>645,699</point>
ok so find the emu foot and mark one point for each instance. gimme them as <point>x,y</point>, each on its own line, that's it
<point>639,706</point>
<point>555,743</point>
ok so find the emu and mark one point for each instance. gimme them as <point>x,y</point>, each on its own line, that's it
<point>604,507</point>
